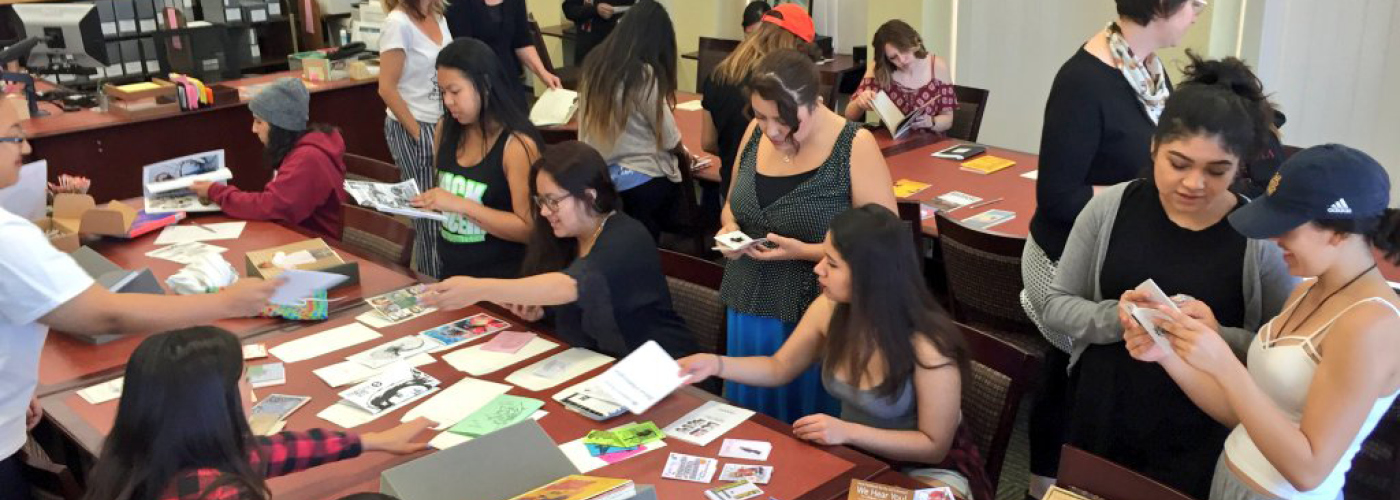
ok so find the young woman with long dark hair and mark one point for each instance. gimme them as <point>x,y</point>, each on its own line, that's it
<point>307,160</point>
<point>625,98</point>
<point>595,268</point>
<point>886,349</point>
<point>182,431</point>
<point>485,149</point>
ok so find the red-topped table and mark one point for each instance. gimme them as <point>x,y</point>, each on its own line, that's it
<point>1017,192</point>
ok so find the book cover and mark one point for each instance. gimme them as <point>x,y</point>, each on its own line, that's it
<point>578,487</point>
<point>905,188</point>
<point>987,164</point>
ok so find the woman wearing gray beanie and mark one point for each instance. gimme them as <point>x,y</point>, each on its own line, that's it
<point>307,187</point>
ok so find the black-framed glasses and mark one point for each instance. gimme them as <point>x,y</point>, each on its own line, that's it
<point>551,203</point>
<point>17,139</point>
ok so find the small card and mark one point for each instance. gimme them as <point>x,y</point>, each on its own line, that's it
<point>757,474</point>
<point>267,375</point>
<point>278,406</point>
<point>503,411</point>
<point>400,305</point>
<point>466,329</point>
<point>508,342</point>
<point>1147,317</point>
<point>626,436</point>
<point>689,468</point>
<point>396,350</point>
<point>254,351</point>
<point>952,200</point>
<point>741,490</point>
<point>737,241</point>
<point>988,219</point>
<point>746,449</point>
<point>905,188</point>
<point>390,390</point>
<point>708,422</point>
<point>185,253</point>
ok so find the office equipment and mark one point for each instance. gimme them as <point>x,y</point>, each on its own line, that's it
<point>70,36</point>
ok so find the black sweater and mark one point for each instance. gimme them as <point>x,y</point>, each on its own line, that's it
<point>1095,133</point>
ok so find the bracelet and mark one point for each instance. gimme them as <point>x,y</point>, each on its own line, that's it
<point>720,372</point>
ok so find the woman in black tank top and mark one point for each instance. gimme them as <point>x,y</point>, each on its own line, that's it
<point>483,166</point>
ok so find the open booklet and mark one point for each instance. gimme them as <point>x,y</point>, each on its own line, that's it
<point>555,107</point>
<point>166,185</point>
<point>895,120</point>
<point>390,198</point>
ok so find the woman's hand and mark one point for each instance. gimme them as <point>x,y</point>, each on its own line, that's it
<point>452,293</point>
<point>551,80</point>
<point>1197,344</point>
<point>822,429</point>
<point>1199,311</point>
<point>439,200</point>
<point>201,188</point>
<point>527,313</point>
<point>398,440</point>
<point>1140,344</point>
<point>781,248</point>
<point>726,229</point>
<point>864,100</point>
<point>695,368</point>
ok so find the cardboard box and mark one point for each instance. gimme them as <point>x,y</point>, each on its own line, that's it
<point>79,214</point>
<point>258,263</point>
<point>65,241</point>
<point>505,463</point>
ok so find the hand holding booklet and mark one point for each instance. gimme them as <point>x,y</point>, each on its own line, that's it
<point>895,120</point>
<point>390,198</point>
<point>1147,316</point>
<point>641,379</point>
<point>555,107</point>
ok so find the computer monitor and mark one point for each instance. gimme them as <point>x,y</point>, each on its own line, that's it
<point>70,29</point>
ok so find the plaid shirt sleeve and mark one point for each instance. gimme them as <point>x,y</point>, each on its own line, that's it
<point>287,452</point>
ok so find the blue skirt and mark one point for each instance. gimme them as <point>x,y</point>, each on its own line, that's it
<point>751,335</point>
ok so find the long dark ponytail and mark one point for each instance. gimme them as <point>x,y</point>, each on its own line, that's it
<point>180,410</point>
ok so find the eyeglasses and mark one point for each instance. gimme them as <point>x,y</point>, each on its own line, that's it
<point>551,203</point>
<point>18,139</point>
<point>1199,5</point>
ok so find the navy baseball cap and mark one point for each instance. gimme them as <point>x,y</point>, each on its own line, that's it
<point>1327,182</point>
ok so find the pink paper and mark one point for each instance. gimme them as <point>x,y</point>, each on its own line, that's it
<point>612,458</point>
<point>508,342</point>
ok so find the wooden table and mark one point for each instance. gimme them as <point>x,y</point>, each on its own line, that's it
<point>802,471</point>
<point>111,150</point>
<point>66,362</point>
<point>1017,193</point>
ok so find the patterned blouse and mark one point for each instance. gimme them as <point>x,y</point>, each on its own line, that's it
<point>936,98</point>
<point>783,289</point>
<point>272,456</point>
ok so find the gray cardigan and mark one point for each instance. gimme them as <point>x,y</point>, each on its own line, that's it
<point>1076,306</point>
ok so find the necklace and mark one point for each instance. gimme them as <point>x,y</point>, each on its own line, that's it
<point>1320,303</point>
<point>594,238</point>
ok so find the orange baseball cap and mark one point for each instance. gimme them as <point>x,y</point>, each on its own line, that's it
<point>793,18</point>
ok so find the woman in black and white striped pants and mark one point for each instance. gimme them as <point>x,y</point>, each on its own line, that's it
<point>414,157</point>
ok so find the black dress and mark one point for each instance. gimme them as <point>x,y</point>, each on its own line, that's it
<point>728,107</point>
<point>623,300</point>
<point>464,247</point>
<point>1096,133</point>
<point>1131,412</point>
<point>503,27</point>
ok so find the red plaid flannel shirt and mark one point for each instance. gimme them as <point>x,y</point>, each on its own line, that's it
<point>272,456</point>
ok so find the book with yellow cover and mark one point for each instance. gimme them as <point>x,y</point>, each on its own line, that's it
<point>905,188</point>
<point>577,487</point>
<point>986,164</point>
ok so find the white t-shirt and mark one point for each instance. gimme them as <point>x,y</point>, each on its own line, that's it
<point>418,84</point>
<point>35,278</point>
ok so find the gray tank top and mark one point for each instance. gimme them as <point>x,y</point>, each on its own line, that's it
<point>866,407</point>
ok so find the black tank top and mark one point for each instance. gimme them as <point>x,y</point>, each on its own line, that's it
<point>464,247</point>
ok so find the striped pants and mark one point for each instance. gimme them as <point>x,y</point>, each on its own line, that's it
<point>414,156</point>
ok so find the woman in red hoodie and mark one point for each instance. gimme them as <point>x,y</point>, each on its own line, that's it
<point>307,187</point>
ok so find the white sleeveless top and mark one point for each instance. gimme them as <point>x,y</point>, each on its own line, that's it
<point>1285,373</point>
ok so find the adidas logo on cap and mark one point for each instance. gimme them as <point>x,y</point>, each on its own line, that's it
<point>1339,207</point>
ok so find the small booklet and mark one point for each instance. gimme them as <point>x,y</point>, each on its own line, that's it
<point>741,490</point>
<point>961,152</point>
<point>267,375</point>
<point>952,200</point>
<point>757,474</point>
<point>689,468</point>
<point>988,219</point>
<point>390,390</point>
<point>400,305</point>
<point>737,241</point>
<point>905,188</point>
<point>396,350</point>
<point>166,184</point>
<point>895,120</point>
<point>745,449</point>
<point>555,107</point>
<point>269,414</point>
<point>390,198</point>
<point>591,403</point>
<point>987,164</point>
<point>641,379</point>
<point>708,422</point>
<point>1147,317</point>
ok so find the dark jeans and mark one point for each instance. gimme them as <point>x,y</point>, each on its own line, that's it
<point>1049,414</point>
<point>13,485</point>
<point>652,204</point>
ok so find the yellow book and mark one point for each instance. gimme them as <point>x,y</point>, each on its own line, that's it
<point>137,87</point>
<point>986,164</point>
<point>579,487</point>
<point>905,188</point>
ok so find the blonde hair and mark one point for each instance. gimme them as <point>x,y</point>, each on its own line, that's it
<point>768,38</point>
<point>414,9</point>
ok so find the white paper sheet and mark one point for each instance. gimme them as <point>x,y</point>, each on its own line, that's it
<point>1032,175</point>
<point>321,343</point>
<point>222,174</point>
<point>188,232</point>
<point>711,420</point>
<point>302,284</point>
<point>476,361</point>
<point>457,402</point>
<point>103,392</point>
<point>557,369</point>
<point>586,462</point>
<point>350,372</point>
<point>641,379</point>
<point>690,106</point>
<point>28,197</point>
<point>554,107</point>
<point>185,253</point>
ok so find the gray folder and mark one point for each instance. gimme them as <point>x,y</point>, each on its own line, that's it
<point>496,466</point>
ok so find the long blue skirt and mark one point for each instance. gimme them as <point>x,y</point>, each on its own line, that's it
<point>751,335</point>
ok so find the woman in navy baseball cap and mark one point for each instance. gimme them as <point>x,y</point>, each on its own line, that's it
<point>1323,373</point>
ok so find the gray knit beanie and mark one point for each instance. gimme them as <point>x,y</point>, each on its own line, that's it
<point>284,104</point>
